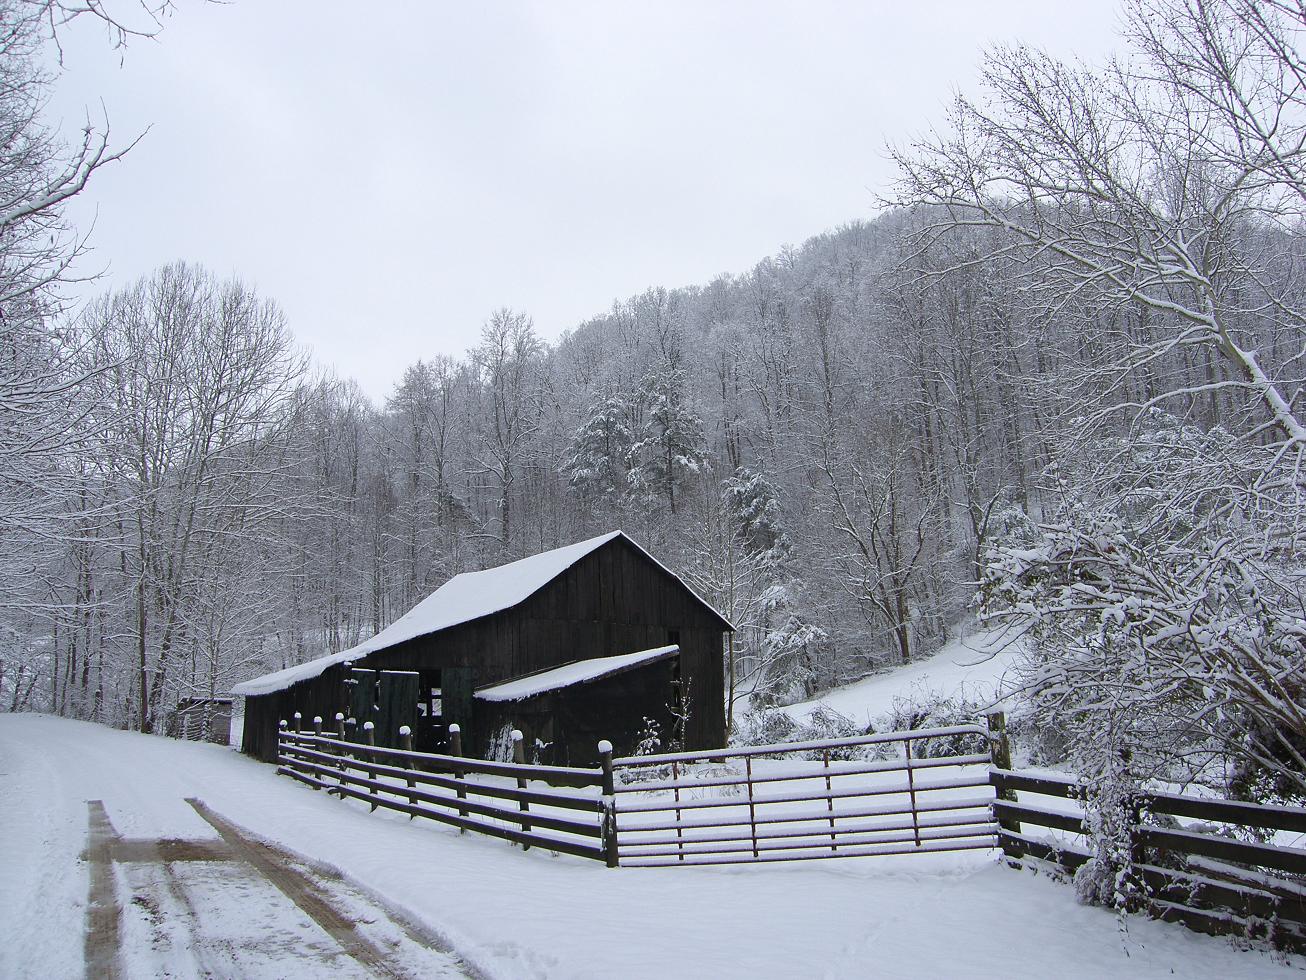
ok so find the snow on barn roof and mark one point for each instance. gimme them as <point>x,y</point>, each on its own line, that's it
<point>580,672</point>
<point>462,599</point>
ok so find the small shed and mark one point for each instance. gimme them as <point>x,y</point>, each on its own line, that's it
<point>594,640</point>
<point>203,720</point>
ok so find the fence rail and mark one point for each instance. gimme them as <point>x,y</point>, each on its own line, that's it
<point>760,804</point>
<point>503,800</point>
<point>1207,878</point>
<point>913,792</point>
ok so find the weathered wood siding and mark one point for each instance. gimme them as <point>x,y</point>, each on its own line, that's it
<point>614,600</point>
<point>563,728</point>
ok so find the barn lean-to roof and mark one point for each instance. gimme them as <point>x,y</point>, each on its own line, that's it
<point>465,597</point>
<point>569,675</point>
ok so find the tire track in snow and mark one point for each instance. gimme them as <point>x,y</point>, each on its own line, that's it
<point>103,915</point>
<point>305,893</point>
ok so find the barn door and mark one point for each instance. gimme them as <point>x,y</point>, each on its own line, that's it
<point>456,689</point>
<point>362,698</point>
<point>397,696</point>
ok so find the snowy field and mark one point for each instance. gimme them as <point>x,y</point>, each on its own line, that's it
<point>500,912</point>
<point>975,667</point>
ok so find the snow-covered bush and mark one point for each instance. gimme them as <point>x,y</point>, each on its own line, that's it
<point>1163,610</point>
<point>500,749</point>
<point>763,726</point>
<point>769,726</point>
<point>932,710</point>
<point>649,740</point>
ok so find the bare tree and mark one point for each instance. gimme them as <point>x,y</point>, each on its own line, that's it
<point>508,359</point>
<point>203,377</point>
<point>1153,206</point>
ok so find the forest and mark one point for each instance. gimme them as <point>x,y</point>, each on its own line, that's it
<point>1054,385</point>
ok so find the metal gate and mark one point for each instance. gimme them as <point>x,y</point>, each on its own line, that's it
<point>907,792</point>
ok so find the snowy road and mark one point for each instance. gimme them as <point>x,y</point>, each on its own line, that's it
<point>293,883</point>
<point>186,893</point>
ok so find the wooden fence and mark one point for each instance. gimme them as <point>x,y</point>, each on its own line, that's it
<point>911,792</point>
<point>891,793</point>
<point>1214,879</point>
<point>554,807</point>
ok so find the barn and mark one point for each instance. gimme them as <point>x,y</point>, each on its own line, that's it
<point>594,640</point>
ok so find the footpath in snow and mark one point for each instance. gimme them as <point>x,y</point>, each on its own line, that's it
<point>496,911</point>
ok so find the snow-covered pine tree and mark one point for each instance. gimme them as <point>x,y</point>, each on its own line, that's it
<point>671,448</point>
<point>598,459</point>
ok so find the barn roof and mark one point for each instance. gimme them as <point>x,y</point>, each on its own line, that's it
<point>462,599</point>
<point>579,672</point>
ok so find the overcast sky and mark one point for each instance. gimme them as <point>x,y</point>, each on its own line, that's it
<point>392,172</point>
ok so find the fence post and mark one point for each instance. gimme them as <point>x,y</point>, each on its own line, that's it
<point>456,748</point>
<point>1134,806</point>
<point>369,736</point>
<point>911,791</point>
<point>829,800</point>
<point>341,751</point>
<point>282,743</point>
<point>680,844</point>
<point>1000,758</point>
<point>405,743</point>
<point>609,805</point>
<point>317,727</point>
<point>299,723</point>
<point>519,757</point>
<point>752,809</point>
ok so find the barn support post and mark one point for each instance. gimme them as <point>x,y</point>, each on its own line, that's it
<point>369,736</point>
<point>519,757</point>
<point>405,743</point>
<point>456,748</point>
<point>610,854</point>
<point>1000,758</point>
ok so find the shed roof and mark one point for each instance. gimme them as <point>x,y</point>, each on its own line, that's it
<point>579,672</point>
<point>462,599</point>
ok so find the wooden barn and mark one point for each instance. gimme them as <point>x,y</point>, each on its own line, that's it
<point>594,640</point>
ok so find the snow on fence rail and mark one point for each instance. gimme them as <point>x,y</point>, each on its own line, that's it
<point>1197,874</point>
<point>889,793</point>
<point>494,798</point>
<point>941,789</point>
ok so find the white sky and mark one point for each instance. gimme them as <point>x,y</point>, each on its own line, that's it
<point>392,172</point>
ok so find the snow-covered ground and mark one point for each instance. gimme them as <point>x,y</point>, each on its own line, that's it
<point>976,667</point>
<point>514,915</point>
